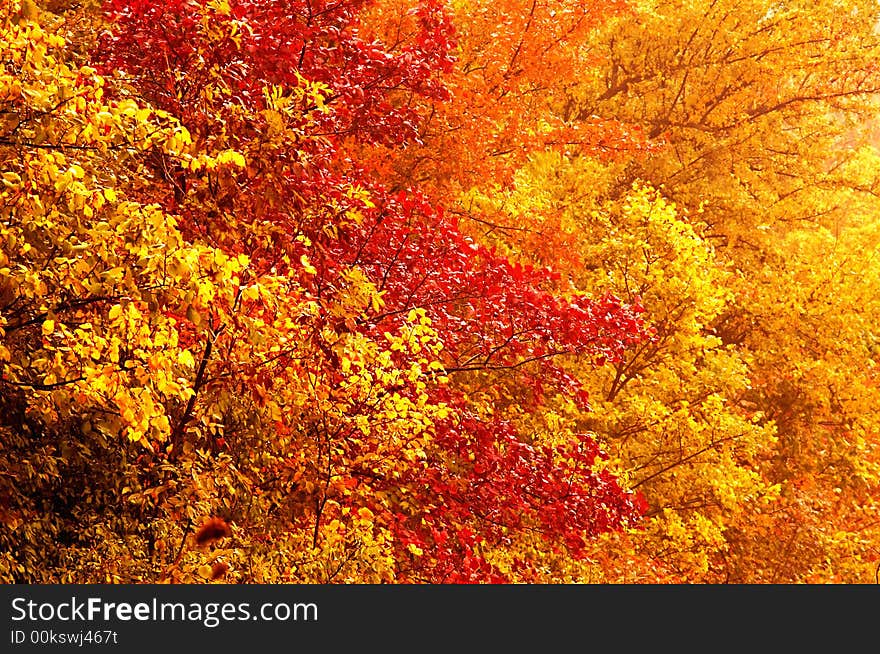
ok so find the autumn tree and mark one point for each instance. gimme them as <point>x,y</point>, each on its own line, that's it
<point>751,245</point>
<point>387,291</point>
<point>211,307</point>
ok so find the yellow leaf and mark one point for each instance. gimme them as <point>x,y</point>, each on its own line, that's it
<point>309,268</point>
<point>48,327</point>
<point>231,156</point>
<point>12,180</point>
